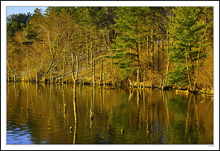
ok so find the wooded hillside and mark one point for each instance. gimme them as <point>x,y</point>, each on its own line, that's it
<point>144,45</point>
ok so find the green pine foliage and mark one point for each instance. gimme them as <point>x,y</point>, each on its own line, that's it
<point>128,27</point>
<point>178,76</point>
<point>186,30</point>
<point>16,22</point>
<point>160,41</point>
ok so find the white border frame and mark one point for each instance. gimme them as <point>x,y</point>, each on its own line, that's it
<point>4,4</point>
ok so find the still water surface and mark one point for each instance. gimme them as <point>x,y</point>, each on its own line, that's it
<point>62,114</point>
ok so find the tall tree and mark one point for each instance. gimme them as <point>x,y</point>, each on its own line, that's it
<point>16,25</point>
<point>56,33</point>
<point>129,28</point>
<point>17,22</point>
<point>186,31</point>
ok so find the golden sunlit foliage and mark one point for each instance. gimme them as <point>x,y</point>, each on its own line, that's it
<point>169,46</point>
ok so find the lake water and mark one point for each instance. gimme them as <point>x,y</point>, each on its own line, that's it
<point>62,114</point>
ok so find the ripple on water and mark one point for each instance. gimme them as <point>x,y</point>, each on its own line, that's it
<point>158,119</point>
<point>18,134</point>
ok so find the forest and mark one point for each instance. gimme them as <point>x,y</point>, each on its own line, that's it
<point>164,47</point>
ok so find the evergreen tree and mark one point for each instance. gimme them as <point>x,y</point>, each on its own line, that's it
<point>129,28</point>
<point>16,22</point>
<point>158,41</point>
<point>186,30</point>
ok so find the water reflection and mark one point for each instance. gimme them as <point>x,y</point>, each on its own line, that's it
<point>66,114</point>
<point>75,114</point>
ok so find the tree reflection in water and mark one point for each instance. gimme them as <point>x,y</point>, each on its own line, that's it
<point>50,112</point>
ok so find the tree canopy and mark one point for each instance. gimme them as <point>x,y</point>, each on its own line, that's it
<point>168,45</point>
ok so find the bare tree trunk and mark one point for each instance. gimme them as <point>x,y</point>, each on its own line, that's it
<point>163,43</point>
<point>104,80</point>
<point>63,68</point>
<point>187,67</point>
<point>112,63</point>
<point>168,58</point>
<point>138,78</point>
<point>138,98</point>
<point>36,77</point>
<point>137,49</point>
<point>152,48</point>
<point>199,58</point>
<point>147,47</point>
<point>14,76</point>
<point>144,79</point>
<point>93,72</point>
<point>73,74</point>
<point>168,40</point>
<point>158,57</point>
<point>9,76</point>
<point>50,77</point>
<point>87,53</point>
<point>101,72</point>
<point>92,60</point>
<point>77,67</point>
<point>130,83</point>
<point>194,87</point>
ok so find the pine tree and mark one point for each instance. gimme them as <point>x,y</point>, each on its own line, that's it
<point>129,28</point>
<point>186,30</point>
